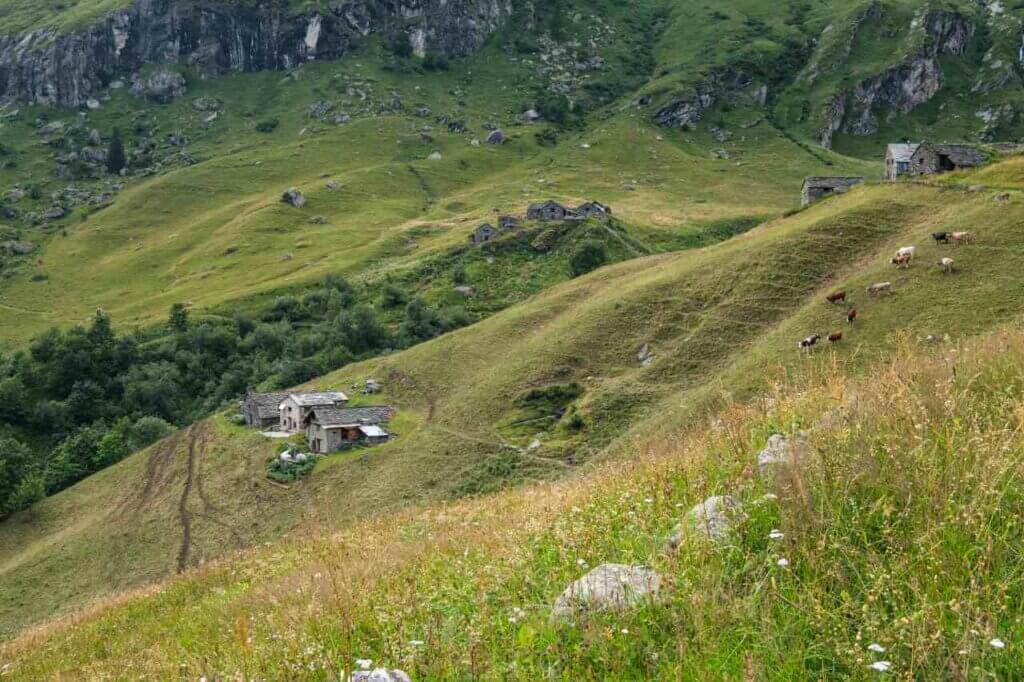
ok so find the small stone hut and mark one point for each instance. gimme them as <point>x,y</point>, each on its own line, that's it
<point>549,211</point>
<point>483,234</point>
<point>594,209</point>
<point>262,410</point>
<point>329,429</point>
<point>817,187</point>
<point>930,159</point>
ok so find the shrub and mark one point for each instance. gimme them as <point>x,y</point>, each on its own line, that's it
<point>116,158</point>
<point>588,255</point>
<point>435,62</point>
<point>267,125</point>
<point>393,296</point>
<point>546,137</point>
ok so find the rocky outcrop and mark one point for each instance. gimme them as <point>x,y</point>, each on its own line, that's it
<point>216,36</point>
<point>725,85</point>
<point>905,85</point>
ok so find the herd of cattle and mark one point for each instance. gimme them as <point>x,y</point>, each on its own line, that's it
<point>903,259</point>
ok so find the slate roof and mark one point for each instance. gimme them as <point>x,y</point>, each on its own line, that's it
<point>832,182</point>
<point>267,404</point>
<point>546,204</point>
<point>316,399</point>
<point>348,417</point>
<point>373,431</point>
<point>593,204</point>
<point>901,151</point>
<point>963,155</point>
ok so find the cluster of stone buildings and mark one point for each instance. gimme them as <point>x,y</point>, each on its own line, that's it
<point>546,212</point>
<point>913,160</point>
<point>324,417</point>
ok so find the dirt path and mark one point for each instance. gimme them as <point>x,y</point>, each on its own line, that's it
<point>156,466</point>
<point>183,512</point>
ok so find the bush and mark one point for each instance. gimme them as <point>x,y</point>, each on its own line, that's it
<point>546,137</point>
<point>116,158</point>
<point>401,46</point>
<point>459,276</point>
<point>393,297</point>
<point>435,62</point>
<point>268,125</point>
<point>589,255</point>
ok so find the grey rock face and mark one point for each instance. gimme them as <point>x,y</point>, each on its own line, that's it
<point>779,452</point>
<point>215,37</point>
<point>17,248</point>
<point>162,87</point>
<point>688,108</point>
<point>609,587</point>
<point>905,85</point>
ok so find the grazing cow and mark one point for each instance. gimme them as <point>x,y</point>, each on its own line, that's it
<point>947,265</point>
<point>941,237</point>
<point>907,251</point>
<point>851,316</point>
<point>838,297</point>
<point>962,238</point>
<point>880,288</point>
<point>809,343</point>
<point>901,261</point>
<point>835,337</point>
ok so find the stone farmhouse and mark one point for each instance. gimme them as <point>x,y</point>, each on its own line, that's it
<point>262,410</point>
<point>550,211</point>
<point>330,429</point>
<point>297,406</point>
<point>594,209</point>
<point>483,234</point>
<point>817,187</point>
<point>929,158</point>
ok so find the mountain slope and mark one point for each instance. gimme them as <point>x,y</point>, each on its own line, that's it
<point>714,319</point>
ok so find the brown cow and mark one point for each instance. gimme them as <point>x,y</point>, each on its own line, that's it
<point>851,316</point>
<point>835,337</point>
<point>838,297</point>
<point>902,261</point>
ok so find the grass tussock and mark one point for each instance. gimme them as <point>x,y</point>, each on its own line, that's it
<point>901,524</point>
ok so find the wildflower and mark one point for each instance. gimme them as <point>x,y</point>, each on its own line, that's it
<point>881,666</point>
<point>771,496</point>
<point>416,642</point>
<point>582,563</point>
<point>776,534</point>
<point>782,562</point>
<point>649,500</point>
<point>997,643</point>
<point>364,663</point>
<point>877,648</point>
<point>624,631</point>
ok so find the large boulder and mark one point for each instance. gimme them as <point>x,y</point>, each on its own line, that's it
<point>609,587</point>
<point>496,137</point>
<point>162,86</point>
<point>778,452</point>
<point>294,197</point>
<point>714,518</point>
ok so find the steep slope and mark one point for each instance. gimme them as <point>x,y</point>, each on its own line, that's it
<point>890,544</point>
<point>715,319</point>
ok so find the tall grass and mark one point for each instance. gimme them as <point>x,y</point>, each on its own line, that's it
<point>901,523</point>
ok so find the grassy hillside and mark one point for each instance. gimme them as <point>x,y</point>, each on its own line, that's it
<point>899,528</point>
<point>714,318</point>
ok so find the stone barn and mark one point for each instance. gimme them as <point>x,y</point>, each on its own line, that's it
<point>549,211</point>
<point>262,410</point>
<point>930,159</point>
<point>330,429</point>
<point>594,209</point>
<point>483,234</point>
<point>508,222</point>
<point>817,187</point>
<point>897,160</point>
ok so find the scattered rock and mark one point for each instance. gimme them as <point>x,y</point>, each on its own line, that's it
<point>719,134</point>
<point>334,185</point>
<point>51,128</point>
<point>496,137</point>
<point>645,356</point>
<point>457,127</point>
<point>380,675</point>
<point>778,452</point>
<point>17,248</point>
<point>713,518</point>
<point>209,119</point>
<point>424,112</point>
<point>976,188</point>
<point>294,197</point>
<point>341,118</point>
<point>54,213</point>
<point>466,291</point>
<point>474,142</point>
<point>319,109</point>
<point>1002,197</point>
<point>609,587</point>
<point>176,139</point>
<point>206,104</point>
<point>95,139</point>
<point>436,156</point>
<point>721,154</point>
<point>287,256</point>
<point>531,116</point>
<point>14,195</point>
<point>318,220</point>
<point>534,445</point>
<point>751,124</point>
<point>372,387</point>
<point>645,101</point>
<point>162,86</point>
<point>92,104</point>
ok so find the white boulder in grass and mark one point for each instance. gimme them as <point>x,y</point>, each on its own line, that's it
<point>778,452</point>
<point>609,587</point>
<point>714,518</point>
<point>380,675</point>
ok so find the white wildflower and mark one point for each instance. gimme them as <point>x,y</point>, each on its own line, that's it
<point>364,663</point>
<point>877,648</point>
<point>776,534</point>
<point>581,563</point>
<point>782,562</point>
<point>997,643</point>
<point>881,666</point>
<point>624,631</point>
<point>416,642</point>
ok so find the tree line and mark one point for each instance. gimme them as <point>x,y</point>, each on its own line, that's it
<point>79,400</point>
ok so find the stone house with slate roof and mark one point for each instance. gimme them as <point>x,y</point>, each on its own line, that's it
<point>817,187</point>
<point>262,410</point>
<point>296,407</point>
<point>330,429</point>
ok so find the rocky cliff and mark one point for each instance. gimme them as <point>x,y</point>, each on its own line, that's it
<point>907,84</point>
<point>215,37</point>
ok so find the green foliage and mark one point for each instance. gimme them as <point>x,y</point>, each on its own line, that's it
<point>177,319</point>
<point>267,125</point>
<point>588,255</point>
<point>401,45</point>
<point>433,61</point>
